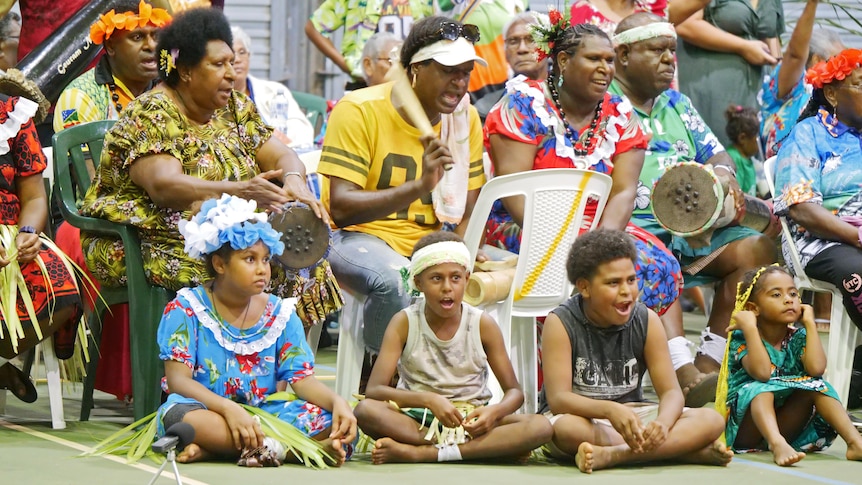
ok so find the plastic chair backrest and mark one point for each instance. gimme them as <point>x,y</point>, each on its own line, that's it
<point>314,107</point>
<point>795,262</point>
<point>71,175</point>
<point>554,204</point>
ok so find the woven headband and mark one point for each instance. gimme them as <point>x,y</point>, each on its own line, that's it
<point>438,253</point>
<point>645,32</point>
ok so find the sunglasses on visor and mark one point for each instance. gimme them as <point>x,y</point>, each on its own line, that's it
<point>451,31</point>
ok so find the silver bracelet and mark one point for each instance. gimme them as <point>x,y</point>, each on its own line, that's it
<point>726,167</point>
<point>288,174</point>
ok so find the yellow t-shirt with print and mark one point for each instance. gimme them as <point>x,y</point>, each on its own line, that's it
<point>369,144</point>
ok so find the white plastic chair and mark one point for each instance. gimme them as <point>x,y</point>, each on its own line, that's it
<point>554,203</point>
<point>844,337</point>
<point>351,346</point>
<point>52,375</point>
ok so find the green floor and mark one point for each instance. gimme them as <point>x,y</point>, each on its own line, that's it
<point>34,453</point>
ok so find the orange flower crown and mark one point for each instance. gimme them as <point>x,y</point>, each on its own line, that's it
<point>111,21</point>
<point>836,68</point>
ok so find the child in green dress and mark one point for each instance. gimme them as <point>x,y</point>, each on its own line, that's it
<point>775,396</point>
<point>743,129</point>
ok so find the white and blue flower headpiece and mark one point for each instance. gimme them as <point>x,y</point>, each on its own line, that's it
<point>231,220</point>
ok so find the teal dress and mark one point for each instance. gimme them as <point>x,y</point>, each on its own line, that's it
<point>746,174</point>
<point>788,376</point>
<point>713,80</point>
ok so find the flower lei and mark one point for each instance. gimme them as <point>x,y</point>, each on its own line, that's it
<point>111,21</point>
<point>604,148</point>
<point>836,68</point>
<point>228,220</point>
<point>545,33</point>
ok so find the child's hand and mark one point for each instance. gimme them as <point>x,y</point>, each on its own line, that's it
<point>444,411</point>
<point>343,422</point>
<point>808,318</point>
<point>744,320</point>
<point>480,421</point>
<point>244,429</point>
<point>627,424</point>
<point>654,435</point>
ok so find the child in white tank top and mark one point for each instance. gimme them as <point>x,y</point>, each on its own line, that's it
<point>442,348</point>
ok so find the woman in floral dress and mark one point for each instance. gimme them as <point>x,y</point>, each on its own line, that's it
<point>527,130</point>
<point>189,139</point>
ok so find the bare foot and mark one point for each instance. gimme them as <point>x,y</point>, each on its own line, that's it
<point>335,450</point>
<point>192,453</point>
<point>716,453</point>
<point>697,388</point>
<point>784,455</point>
<point>387,450</point>
<point>854,451</point>
<point>585,459</point>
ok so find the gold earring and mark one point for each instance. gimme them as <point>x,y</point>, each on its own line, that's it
<point>413,83</point>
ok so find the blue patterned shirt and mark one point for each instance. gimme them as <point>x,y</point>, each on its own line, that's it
<point>821,163</point>
<point>778,115</point>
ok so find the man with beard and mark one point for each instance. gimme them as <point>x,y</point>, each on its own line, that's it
<point>645,45</point>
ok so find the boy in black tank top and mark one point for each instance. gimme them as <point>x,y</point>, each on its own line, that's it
<point>596,347</point>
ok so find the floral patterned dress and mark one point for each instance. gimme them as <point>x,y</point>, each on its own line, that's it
<point>223,149</point>
<point>527,114</point>
<point>241,365</point>
<point>788,376</point>
<point>21,156</point>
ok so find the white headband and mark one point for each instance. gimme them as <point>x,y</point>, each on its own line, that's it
<point>645,32</point>
<point>438,253</point>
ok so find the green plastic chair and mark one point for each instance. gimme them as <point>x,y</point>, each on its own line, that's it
<point>314,107</point>
<point>146,301</point>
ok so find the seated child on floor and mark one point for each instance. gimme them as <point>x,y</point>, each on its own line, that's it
<point>441,348</point>
<point>775,396</point>
<point>596,347</point>
<point>227,343</point>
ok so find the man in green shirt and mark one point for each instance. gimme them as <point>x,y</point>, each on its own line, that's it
<point>645,45</point>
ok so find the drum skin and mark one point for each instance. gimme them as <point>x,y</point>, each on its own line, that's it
<point>305,236</point>
<point>687,200</point>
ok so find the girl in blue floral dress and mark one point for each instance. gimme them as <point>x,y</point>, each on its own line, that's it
<point>227,343</point>
<point>774,396</point>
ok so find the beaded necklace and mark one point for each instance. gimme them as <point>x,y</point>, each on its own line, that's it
<point>222,321</point>
<point>115,97</point>
<point>570,132</point>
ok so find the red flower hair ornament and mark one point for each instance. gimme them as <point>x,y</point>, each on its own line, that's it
<point>546,31</point>
<point>836,68</point>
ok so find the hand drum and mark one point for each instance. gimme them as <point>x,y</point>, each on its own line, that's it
<point>305,236</point>
<point>688,199</point>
